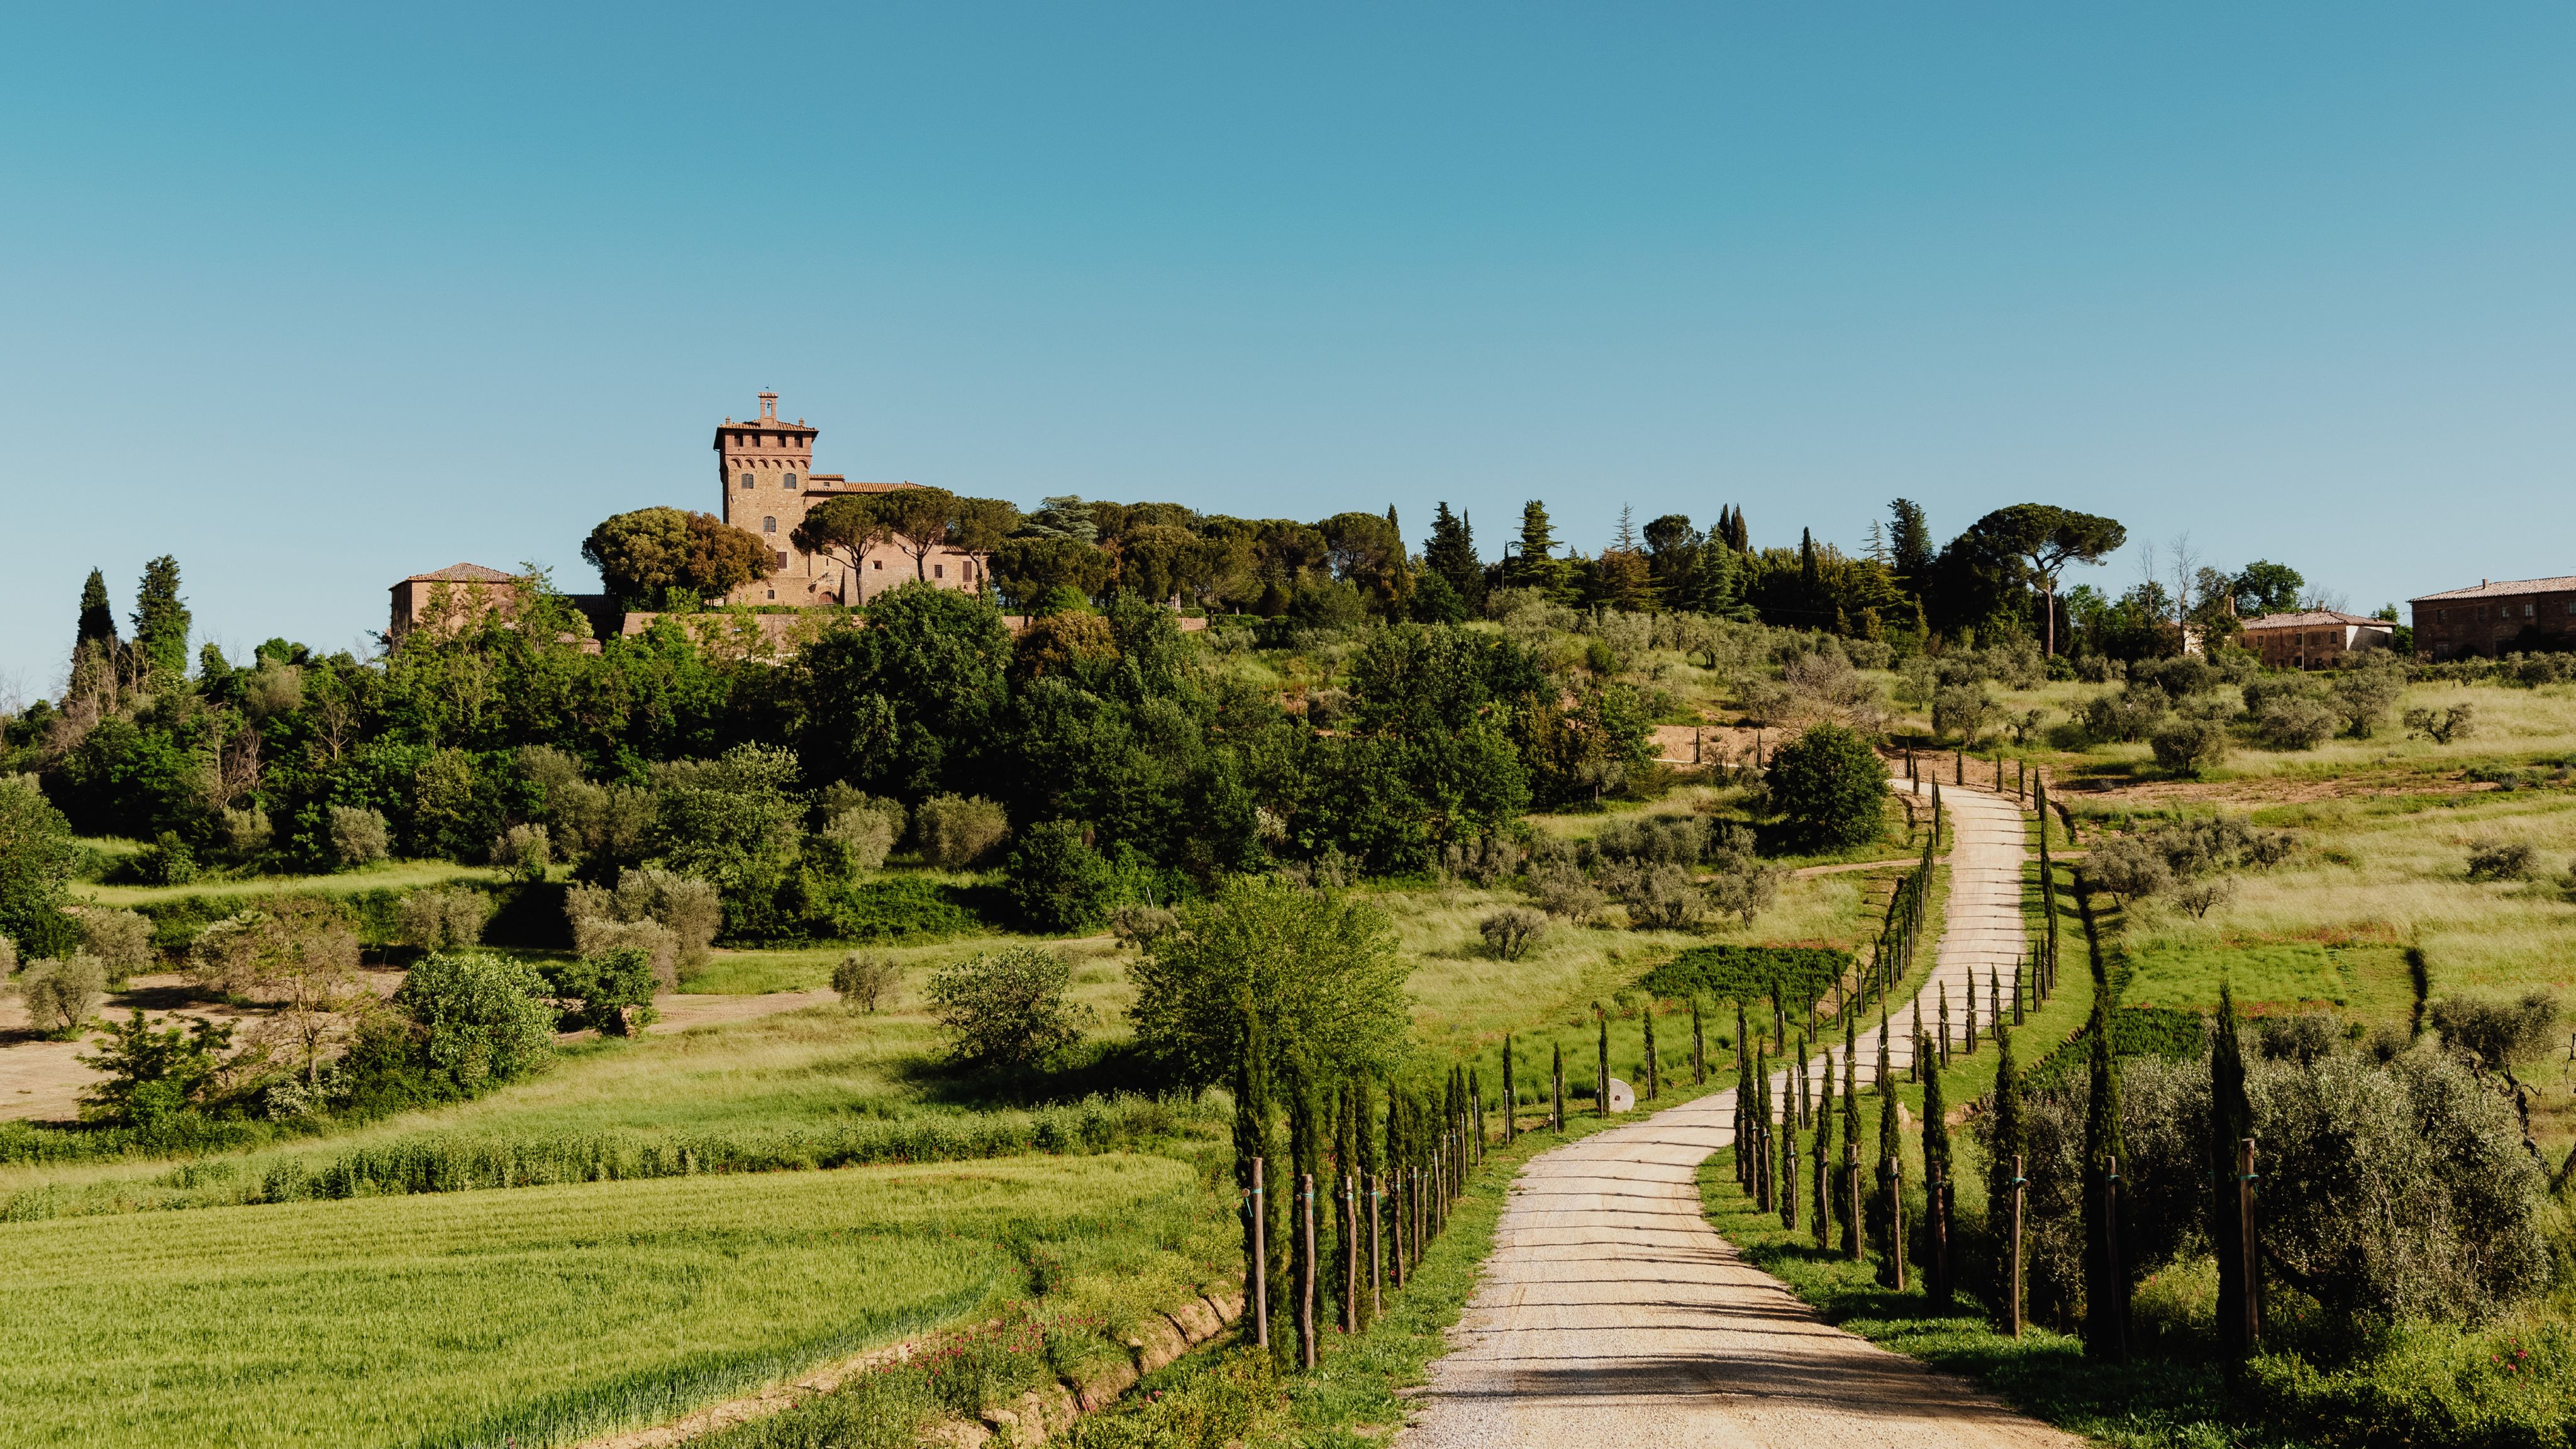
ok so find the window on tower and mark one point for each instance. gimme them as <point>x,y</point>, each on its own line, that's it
<point>787,481</point>
<point>769,525</point>
<point>746,480</point>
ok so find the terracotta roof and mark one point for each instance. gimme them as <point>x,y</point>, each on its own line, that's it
<point>835,483</point>
<point>2502,588</point>
<point>2314,618</point>
<point>462,573</point>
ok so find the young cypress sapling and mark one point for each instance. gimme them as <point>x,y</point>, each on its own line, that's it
<point>2231,1121</point>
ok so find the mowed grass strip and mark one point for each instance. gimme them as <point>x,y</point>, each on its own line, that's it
<point>538,1316</point>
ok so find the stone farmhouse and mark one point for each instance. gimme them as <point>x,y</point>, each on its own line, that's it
<point>2498,617</point>
<point>2315,638</point>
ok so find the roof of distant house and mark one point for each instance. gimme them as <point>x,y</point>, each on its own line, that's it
<point>462,573</point>
<point>2500,588</point>
<point>2314,619</point>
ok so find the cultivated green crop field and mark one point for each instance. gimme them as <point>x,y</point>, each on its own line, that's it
<point>544,1315</point>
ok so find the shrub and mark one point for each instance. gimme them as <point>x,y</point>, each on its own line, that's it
<point>1058,883</point>
<point>2498,1033</point>
<point>615,989</point>
<point>2296,722</point>
<point>151,1076</point>
<point>477,1020</point>
<point>1830,789</point>
<point>1138,925</point>
<point>2442,726</point>
<point>247,833</point>
<point>443,918</point>
<point>1662,898</point>
<point>1487,861</point>
<point>8,957</point>
<point>1800,974</point>
<point>60,995</point>
<point>1663,839</point>
<point>898,908</point>
<point>1740,885</point>
<point>1563,890</point>
<point>2200,897</point>
<point>866,982</point>
<point>121,940</point>
<point>2366,695</point>
<point>167,861</point>
<point>2128,866</point>
<point>1510,932</point>
<point>2188,745</point>
<point>1008,1008</point>
<point>673,917</point>
<point>37,858</point>
<point>358,836</point>
<point>868,836</point>
<point>523,850</point>
<point>2125,716</point>
<point>1962,711</point>
<point>958,832</point>
<point>600,935</point>
<point>2500,860</point>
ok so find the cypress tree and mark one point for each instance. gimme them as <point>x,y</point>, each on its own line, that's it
<point>1476,1107</point>
<point>1888,1145</point>
<point>1759,1143</point>
<point>97,618</point>
<point>1556,1083</point>
<point>2419,975</point>
<point>1699,1047</point>
<point>1450,552</point>
<point>1936,1180</point>
<point>1348,1240</point>
<point>1787,1192</point>
<point>1253,1139</point>
<point>1851,1136</point>
<point>1307,1168</point>
<point>1511,1096</point>
<point>161,619</point>
<point>1823,1162</point>
<point>2106,1286</point>
<point>1654,1067</point>
<point>1744,1175</point>
<point>2005,1140</point>
<point>1604,1071</point>
<point>1395,1166</point>
<point>2231,1121</point>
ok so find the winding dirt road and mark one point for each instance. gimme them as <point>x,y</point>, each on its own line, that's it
<point>1611,1313</point>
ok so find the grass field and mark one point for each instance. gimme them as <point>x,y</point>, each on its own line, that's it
<point>390,875</point>
<point>545,1315</point>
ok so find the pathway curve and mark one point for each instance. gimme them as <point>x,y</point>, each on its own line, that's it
<point>1612,1313</point>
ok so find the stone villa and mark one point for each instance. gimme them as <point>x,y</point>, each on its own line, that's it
<point>766,483</point>
<point>2315,638</point>
<point>765,468</point>
<point>2498,617</point>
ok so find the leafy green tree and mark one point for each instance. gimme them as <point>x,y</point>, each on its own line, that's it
<point>734,824</point>
<point>1322,972</point>
<point>910,704</point>
<point>37,860</point>
<point>2042,539</point>
<point>1008,1009</point>
<point>2263,587</point>
<point>614,987</point>
<point>475,1020</point>
<point>153,1075</point>
<point>1057,882</point>
<point>161,620</point>
<point>649,557</point>
<point>1830,789</point>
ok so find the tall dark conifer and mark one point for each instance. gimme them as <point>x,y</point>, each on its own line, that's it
<point>97,617</point>
<point>1851,1136</point>
<point>1254,1137</point>
<point>1936,1177</point>
<point>2231,1121</point>
<point>1602,1084</point>
<point>2005,1139</point>
<point>1824,1155</point>
<point>2106,1276</point>
<point>1654,1083</point>
<point>161,620</point>
<point>1450,552</point>
<point>1511,1096</point>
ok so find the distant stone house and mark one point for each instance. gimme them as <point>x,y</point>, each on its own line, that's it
<point>2315,638</point>
<point>450,598</point>
<point>2498,617</point>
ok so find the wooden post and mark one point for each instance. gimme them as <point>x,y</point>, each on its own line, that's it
<point>1306,1270</point>
<point>2245,1240</point>
<point>1260,1262</point>
<point>2020,1186</point>
<point>1377,1256</point>
<point>1896,1217</point>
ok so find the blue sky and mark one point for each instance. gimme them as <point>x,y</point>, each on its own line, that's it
<point>315,299</point>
